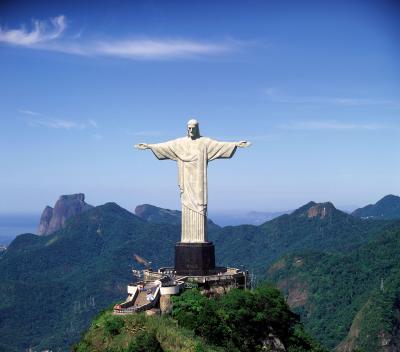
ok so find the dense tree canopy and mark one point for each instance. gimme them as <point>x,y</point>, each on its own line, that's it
<point>242,320</point>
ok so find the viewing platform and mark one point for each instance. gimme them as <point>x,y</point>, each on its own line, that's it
<point>154,289</point>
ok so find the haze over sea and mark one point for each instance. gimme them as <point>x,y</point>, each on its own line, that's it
<point>12,225</point>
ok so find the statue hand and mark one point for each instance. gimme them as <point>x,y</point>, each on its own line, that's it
<point>243,144</point>
<point>142,146</point>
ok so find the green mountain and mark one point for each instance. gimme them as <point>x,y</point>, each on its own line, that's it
<point>386,208</point>
<point>54,285</point>
<point>347,300</point>
<point>314,226</point>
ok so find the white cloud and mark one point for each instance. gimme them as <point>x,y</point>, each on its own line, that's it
<point>37,119</point>
<point>329,125</point>
<point>46,35</point>
<point>273,95</point>
<point>28,112</point>
<point>56,124</point>
<point>156,48</point>
<point>41,32</point>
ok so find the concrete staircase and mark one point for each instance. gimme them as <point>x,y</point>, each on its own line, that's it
<point>140,302</point>
<point>141,299</point>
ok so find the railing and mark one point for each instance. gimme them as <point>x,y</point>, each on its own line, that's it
<point>120,309</point>
<point>166,271</point>
<point>128,304</point>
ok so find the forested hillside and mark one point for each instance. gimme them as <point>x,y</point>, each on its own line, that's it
<point>351,299</point>
<point>314,226</point>
<point>54,285</point>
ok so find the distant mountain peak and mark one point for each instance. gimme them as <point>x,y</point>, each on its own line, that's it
<point>152,213</point>
<point>313,210</point>
<point>386,208</point>
<point>68,205</point>
<point>321,210</point>
<point>78,197</point>
<point>159,215</point>
<point>389,197</point>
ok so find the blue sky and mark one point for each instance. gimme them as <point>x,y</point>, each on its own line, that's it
<point>314,85</point>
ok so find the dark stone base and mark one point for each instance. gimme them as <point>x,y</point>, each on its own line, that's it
<point>195,259</point>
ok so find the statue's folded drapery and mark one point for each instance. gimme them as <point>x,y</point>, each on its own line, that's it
<point>193,156</point>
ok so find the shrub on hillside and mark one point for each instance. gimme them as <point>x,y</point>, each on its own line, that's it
<point>145,342</point>
<point>113,325</point>
<point>241,320</point>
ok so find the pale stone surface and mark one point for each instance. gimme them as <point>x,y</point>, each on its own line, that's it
<point>192,153</point>
<point>45,220</point>
<point>165,304</point>
<point>66,207</point>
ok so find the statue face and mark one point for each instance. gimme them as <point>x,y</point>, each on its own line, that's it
<point>193,131</point>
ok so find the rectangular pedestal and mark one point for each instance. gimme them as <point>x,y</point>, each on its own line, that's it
<point>194,259</point>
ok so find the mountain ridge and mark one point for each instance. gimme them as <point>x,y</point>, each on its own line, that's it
<point>334,231</point>
<point>85,265</point>
<point>159,215</point>
<point>386,208</point>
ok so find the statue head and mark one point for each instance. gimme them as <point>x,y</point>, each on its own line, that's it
<point>193,130</point>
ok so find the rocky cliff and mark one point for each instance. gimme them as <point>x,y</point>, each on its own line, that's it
<point>53,219</point>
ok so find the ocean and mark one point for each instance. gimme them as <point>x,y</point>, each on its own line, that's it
<point>12,225</point>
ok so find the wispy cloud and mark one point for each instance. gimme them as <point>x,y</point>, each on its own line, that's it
<point>42,31</point>
<point>47,35</point>
<point>156,48</point>
<point>273,95</point>
<point>29,112</point>
<point>37,119</point>
<point>329,125</point>
<point>56,124</point>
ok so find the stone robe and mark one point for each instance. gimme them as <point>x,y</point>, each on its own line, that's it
<point>193,156</point>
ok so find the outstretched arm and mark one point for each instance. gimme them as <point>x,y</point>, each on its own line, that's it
<point>142,146</point>
<point>218,150</point>
<point>243,144</point>
<point>162,151</point>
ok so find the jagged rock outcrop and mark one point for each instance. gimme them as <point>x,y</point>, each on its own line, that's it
<point>273,343</point>
<point>53,219</point>
<point>45,220</point>
<point>320,210</point>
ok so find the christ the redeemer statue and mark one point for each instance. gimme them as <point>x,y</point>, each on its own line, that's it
<point>193,154</point>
